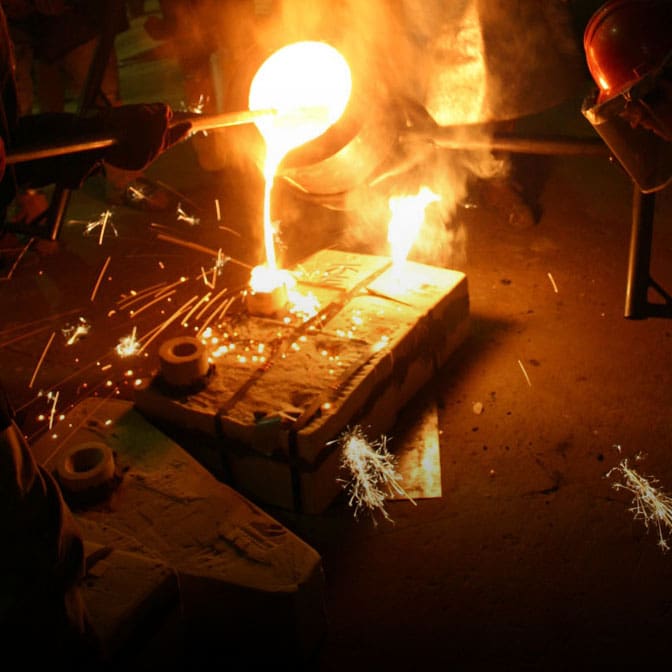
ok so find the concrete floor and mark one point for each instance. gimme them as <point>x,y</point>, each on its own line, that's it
<point>530,559</point>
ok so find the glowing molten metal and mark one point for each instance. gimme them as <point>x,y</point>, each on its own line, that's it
<point>309,85</point>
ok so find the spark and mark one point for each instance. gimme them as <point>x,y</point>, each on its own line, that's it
<point>522,368</point>
<point>221,261</point>
<point>136,295</point>
<point>54,400</point>
<point>210,303</point>
<point>371,472</point>
<point>219,216</point>
<point>555,287</point>
<point>161,297</point>
<point>33,332</point>
<point>73,333</point>
<point>649,502</point>
<point>41,359</point>
<point>206,280</point>
<point>216,269</point>
<point>18,260</point>
<point>204,299</point>
<point>128,345</point>
<point>102,222</point>
<point>136,194</point>
<point>225,307</point>
<point>182,216</point>
<point>100,278</point>
<point>199,106</point>
<point>199,248</point>
<point>153,333</point>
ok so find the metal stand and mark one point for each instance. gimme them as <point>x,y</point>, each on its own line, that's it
<point>92,89</point>
<point>639,281</point>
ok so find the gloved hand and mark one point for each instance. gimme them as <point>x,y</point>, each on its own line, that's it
<point>143,132</point>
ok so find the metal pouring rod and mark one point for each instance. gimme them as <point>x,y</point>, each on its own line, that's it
<point>446,138</point>
<point>211,122</point>
<point>199,122</point>
<point>49,151</point>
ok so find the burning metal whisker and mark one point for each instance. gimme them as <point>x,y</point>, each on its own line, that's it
<point>221,261</point>
<point>135,296</point>
<point>555,287</point>
<point>73,333</point>
<point>198,107</point>
<point>149,304</point>
<point>53,397</point>
<point>41,359</point>
<point>28,334</point>
<point>183,216</point>
<point>206,280</point>
<point>649,502</point>
<point>218,313</point>
<point>102,222</point>
<point>199,248</point>
<point>216,270</point>
<point>128,345</point>
<point>136,194</point>
<point>527,378</point>
<point>372,476</point>
<point>18,260</point>
<point>209,303</point>
<point>153,333</point>
<point>103,270</point>
<point>204,299</point>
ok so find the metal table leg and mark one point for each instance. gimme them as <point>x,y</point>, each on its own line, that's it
<point>639,281</point>
<point>61,196</point>
<point>641,238</point>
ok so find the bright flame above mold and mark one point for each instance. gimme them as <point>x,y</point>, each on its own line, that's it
<point>309,85</point>
<point>408,215</point>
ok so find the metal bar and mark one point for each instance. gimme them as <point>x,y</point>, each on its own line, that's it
<point>199,122</point>
<point>641,238</point>
<point>475,138</point>
<point>211,122</point>
<point>58,149</point>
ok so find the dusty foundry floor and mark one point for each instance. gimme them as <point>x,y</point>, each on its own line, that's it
<point>529,559</point>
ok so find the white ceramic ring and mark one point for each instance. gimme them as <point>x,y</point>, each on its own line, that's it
<point>184,361</point>
<point>86,465</point>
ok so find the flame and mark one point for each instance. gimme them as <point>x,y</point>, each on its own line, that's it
<point>308,84</point>
<point>408,214</point>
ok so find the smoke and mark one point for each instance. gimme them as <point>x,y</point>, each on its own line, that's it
<point>472,63</point>
<point>450,173</point>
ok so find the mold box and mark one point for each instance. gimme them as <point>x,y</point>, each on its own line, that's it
<point>283,389</point>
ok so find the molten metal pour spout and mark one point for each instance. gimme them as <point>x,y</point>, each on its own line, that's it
<point>199,122</point>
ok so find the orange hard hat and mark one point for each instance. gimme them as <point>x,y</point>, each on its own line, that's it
<point>625,40</point>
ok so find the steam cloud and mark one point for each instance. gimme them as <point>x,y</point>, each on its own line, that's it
<point>476,63</point>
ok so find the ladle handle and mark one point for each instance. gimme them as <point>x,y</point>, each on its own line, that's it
<point>199,122</point>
